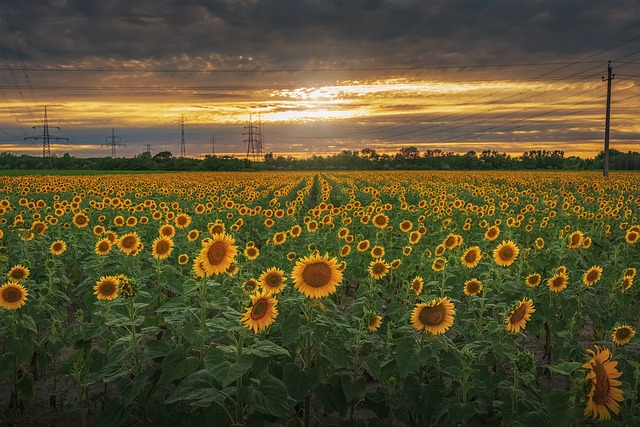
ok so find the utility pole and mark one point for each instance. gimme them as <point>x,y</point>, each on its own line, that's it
<point>46,141</point>
<point>607,120</point>
<point>213,145</point>
<point>113,144</point>
<point>183,149</point>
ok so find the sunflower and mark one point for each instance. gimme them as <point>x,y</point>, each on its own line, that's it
<point>183,259</point>
<point>128,287</point>
<point>272,280</point>
<point>316,276</point>
<point>251,252</point>
<point>406,251</point>
<point>103,246</point>
<point>471,257</point>
<point>519,316</point>
<point>378,268</point>
<point>539,243</point>
<point>440,250</point>
<point>416,285</point>
<point>80,220</point>
<point>107,288</point>
<point>492,233</point>
<point>58,247</point>
<point>603,394</point>
<point>380,220</point>
<point>18,272</point>
<point>363,246</point>
<point>279,238</point>
<point>374,322</point>
<point>630,272</point>
<point>262,313</point>
<point>592,275</point>
<point>586,243</point>
<point>377,252</point>
<point>627,282</point>
<point>414,237</point>
<point>438,264</point>
<point>558,282</point>
<point>451,241</point>
<point>435,317</point>
<point>130,243</point>
<point>162,247</point>
<point>622,334</point>
<point>217,254</point>
<point>575,239</point>
<point>346,250</point>
<point>506,253</point>
<point>12,296</point>
<point>472,287</point>
<point>632,236</point>
<point>406,226</point>
<point>182,220</point>
<point>167,230</point>
<point>533,280</point>
<point>250,286</point>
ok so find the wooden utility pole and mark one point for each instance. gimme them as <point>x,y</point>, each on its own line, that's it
<point>607,120</point>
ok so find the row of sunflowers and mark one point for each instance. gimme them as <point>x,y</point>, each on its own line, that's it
<point>413,298</point>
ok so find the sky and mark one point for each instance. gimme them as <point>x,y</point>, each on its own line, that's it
<point>317,76</point>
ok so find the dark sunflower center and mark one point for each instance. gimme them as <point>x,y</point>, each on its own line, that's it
<point>432,316</point>
<point>533,281</point>
<point>17,274</point>
<point>108,288</point>
<point>378,268</point>
<point>251,252</point>
<point>492,232</point>
<point>506,253</point>
<point>575,239</point>
<point>103,246</point>
<point>81,219</point>
<point>377,253</point>
<point>273,279</point>
<point>57,247</point>
<point>470,257</point>
<point>162,247</point>
<point>558,282</point>
<point>217,252</point>
<point>450,242</point>
<point>12,295</point>
<point>518,314</point>
<point>380,220</point>
<point>603,386</point>
<point>592,276</point>
<point>317,274</point>
<point>259,309</point>
<point>473,287</point>
<point>129,242</point>
<point>622,334</point>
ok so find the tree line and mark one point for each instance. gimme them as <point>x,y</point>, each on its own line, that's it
<point>366,159</point>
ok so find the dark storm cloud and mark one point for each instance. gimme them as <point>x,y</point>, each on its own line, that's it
<point>298,33</point>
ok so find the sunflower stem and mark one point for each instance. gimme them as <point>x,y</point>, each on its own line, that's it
<point>239,409</point>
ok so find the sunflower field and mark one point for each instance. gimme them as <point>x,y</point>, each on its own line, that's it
<point>341,298</point>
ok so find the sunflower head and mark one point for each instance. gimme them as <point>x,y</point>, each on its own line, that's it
<point>107,288</point>
<point>13,296</point>
<point>435,317</point>
<point>558,282</point>
<point>517,320</point>
<point>506,253</point>
<point>622,334</point>
<point>217,254</point>
<point>472,287</point>
<point>162,247</point>
<point>18,273</point>
<point>316,276</point>
<point>592,275</point>
<point>416,285</point>
<point>273,280</point>
<point>533,280</point>
<point>262,312</point>
<point>471,257</point>
<point>374,322</point>
<point>604,395</point>
<point>58,247</point>
<point>128,287</point>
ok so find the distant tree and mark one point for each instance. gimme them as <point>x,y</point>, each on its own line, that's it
<point>163,156</point>
<point>409,153</point>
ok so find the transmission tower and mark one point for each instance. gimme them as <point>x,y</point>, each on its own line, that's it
<point>260,138</point>
<point>147,150</point>
<point>213,145</point>
<point>252,134</point>
<point>183,149</point>
<point>46,141</point>
<point>113,138</point>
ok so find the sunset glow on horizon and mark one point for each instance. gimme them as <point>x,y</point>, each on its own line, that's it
<point>385,95</point>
